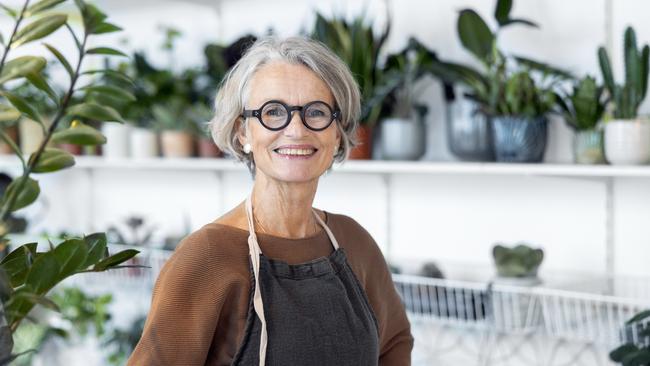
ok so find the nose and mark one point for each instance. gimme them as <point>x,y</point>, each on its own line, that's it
<point>295,127</point>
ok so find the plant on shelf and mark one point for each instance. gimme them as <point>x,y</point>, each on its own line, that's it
<point>583,111</point>
<point>402,124</point>
<point>26,274</point>
<point>520,262</point>
<point>359,47</point>
<point>626,99</point>
<point>634,353</point>
<point>515,93</point>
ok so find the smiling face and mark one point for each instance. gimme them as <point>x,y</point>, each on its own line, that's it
<point>295,153</point>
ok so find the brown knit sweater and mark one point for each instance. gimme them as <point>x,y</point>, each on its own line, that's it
<point>200,300</point>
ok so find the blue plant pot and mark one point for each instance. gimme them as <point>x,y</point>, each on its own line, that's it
<point>519,139</point>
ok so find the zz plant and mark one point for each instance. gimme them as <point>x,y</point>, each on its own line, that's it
<point>26,274</point>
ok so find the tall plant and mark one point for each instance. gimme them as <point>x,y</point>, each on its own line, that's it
<point>627,97</point>
<point>27,275</point>
<point>357,45</point>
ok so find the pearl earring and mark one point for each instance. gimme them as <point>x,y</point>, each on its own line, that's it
<point>336,151</point>
<point>247,148</point>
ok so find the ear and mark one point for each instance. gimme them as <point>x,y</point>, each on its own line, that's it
<point>242,135</point>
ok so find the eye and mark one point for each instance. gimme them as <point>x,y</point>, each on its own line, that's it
<point>316,113</point>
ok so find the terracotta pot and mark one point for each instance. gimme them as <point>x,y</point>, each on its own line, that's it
<point>72,148</point>
<point>207,148</point>
<point>13,134</point>
<point>176,144</point>
<point>364,149</point>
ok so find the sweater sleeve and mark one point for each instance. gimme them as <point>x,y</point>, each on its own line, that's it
<point>395,339</point>
<point>185,307</point>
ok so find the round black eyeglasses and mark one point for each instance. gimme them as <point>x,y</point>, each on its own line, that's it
<point>276,115</point>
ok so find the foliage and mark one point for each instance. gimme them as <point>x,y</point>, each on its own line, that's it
<point>627,97</point>
<point>631,354</point>
<point>519,261</point>
<point>584,107</point>
<point>357,45</point>
<point>27,275</point>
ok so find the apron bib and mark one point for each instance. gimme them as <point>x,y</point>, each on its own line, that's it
<point>311,314</point>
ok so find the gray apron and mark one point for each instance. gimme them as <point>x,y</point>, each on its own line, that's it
<point>313,313</point>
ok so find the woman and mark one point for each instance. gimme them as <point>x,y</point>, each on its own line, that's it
<point>275,281</point>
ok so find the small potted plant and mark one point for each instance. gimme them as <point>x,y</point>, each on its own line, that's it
<point>583,111</point>
<point>200,115</point>
<point>176,129</point>
<point>517,265</point>
<point>402,132</point>
<point>358,45</point>
<point>627,136</point>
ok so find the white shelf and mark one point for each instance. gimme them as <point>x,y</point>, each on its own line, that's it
<point>366,167</point>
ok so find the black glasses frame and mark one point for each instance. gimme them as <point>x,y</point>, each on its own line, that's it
<point>336,113</point>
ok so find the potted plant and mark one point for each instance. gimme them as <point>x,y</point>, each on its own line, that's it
<point>26,274</point>
<point>583,110</point>
<point>402,132</point>
<point>517,265</point>
<point>627,136</point>
<point>357,45</point>
<point>509,104</point>
<point>176,129</point>
<point>200,116</point>
<point>632,353</point>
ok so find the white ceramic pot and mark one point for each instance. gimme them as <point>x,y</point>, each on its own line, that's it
<point>402,139</point>
<point>117,140</point>
<point>144,143</point>
<point>627,142</point>
<point>176,144</point>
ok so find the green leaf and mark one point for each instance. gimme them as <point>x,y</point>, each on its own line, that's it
<point>105,51</point>
<point>115,259</point>
<point>92,17</point>
<point>96,112</point>
<point>12,13</point>
<point>620,352</point>
<point>80,134</point>
<point>21,251</point>
<point>502,11</point>
<point>8,113</point>
<point>96,244</point>
<point>474,34</point>
<point>26,196</point>
<point>21,66</point>
<point>39,28</point>
<point>640,316</point>
<point>519,21</point>
<point>38,299</point>
<point>44,273</point>
<point>61,59</point>
<point>111,73</point>
<point>111,91</point>
<point>51,160</point>
<point>23,106</point>
<point>106,28</point>
<point>17,263</point>
<point>71,255</point>
<point>39,81</point>
<point>41,6</point>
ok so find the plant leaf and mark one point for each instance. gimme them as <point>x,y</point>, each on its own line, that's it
<point>105,51</point>
<point>17,263</point>
<point>39,28</point>
<point>111,91</point>
<point>59,56</point>
<point>106,28</point>
<point>44,273</point>
<point>21,66</point>
<point>80,134</point>
<point>115,259</point>
<point>71,255</point>
<point>41,6</point>
<point>640,316</point>
<point>38,299</point>
<point>96,112</point>
<point>502,11</point>
<point>8,113</point>
<point>474,34</point>
<point>96,243</point>
<point>39,81</point>
<point>111,73</point>
<point>51,160</point>
<point>26,196</point>
<point>23,106</point>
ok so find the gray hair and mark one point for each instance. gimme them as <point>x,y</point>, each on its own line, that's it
<point>234,90</point>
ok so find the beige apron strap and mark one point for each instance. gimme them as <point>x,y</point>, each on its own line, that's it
<point>254,251</point>
<point>327,229</point>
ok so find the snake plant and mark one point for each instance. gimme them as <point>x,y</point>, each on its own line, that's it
<point>584,107</point>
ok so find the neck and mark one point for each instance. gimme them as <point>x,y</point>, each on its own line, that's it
<point>284,209</point>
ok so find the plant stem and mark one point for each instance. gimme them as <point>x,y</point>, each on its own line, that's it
<point>13,34</point>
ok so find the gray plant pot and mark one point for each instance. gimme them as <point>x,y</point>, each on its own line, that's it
<point>588,147</point>
<point>402,139</point>
<point>519,139</point>
<point>468,135</point>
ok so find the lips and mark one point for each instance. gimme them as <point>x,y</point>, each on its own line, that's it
<point>296,151</point>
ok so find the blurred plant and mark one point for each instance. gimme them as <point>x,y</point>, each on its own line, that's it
<point>123,342</point>
<point>26,276</point>
<point>520,261</point>
<point>139,234</point>
<point>357,45</point>
<point>631,354</point>
<point>628,97</point>
<point>583,109</point>
<point>496,87</point>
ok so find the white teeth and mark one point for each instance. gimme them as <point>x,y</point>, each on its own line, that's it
<point>295,151</point>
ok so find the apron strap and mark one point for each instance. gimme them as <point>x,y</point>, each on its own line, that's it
<point>254,251</point>
<point>327,229</point>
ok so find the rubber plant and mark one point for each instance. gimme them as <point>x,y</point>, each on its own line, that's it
<point>26,274</point>
<point>627,97</point>
<point>489,85</point>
